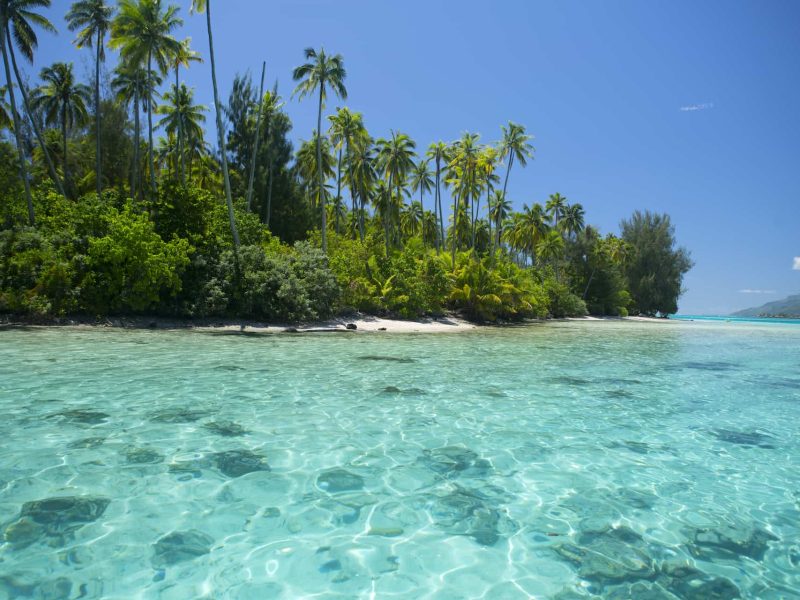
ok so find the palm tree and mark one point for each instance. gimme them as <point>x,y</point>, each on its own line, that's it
<point>183,56</point>
<point>550,248</point>
<point>93,18</point>
<point>556,204</point>
<point>535,228</point>
<point>487,164</point>
<point>422,180</point>
<point>321,71</point>
<point>6,122</point>
<point>345,127</point>
<point>462,172</point>
<point>133,87</point>
<point>499,209</point>
<point>256,137</point>
<point>63,102</point>
<point>307,164</point>
<point>411,218</point>
<point>515,145</point>
<point>19,15</point>
<point>362,177</point>
<point>395,160</point>
<point>572,221</point>
<point>270,105</point>
<point>142,30</point>
<point>437,152</point>
<point>181,115</point>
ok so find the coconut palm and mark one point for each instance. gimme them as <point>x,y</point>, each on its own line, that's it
<point>18,16</point>
<point>92,18</point>
<point>320,73</point>
<point>181,115</point>
<point>535,228</point>
<point>411,216</point>
<point>487,164</point>
<point>422,180</point>
<point>462,172</point>
<point>556,205</point>
<point>395,161</point>
<point>437,152</point>
<point>6,122</point>
<point>572,220</point>
<point>345,128</point>
<point>550,248</point>
<point>183,57</point>
<point>256,137</point>
<point>515,145</point>
<point>134,87</point>
<point>307,164</point>
<point>142,30</point>
<point>63,101</point>
<point>499,209</point>
<point>362,177</point>
<point>270,106</point>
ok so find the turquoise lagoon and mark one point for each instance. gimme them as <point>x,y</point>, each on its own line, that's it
<point>564,460</point>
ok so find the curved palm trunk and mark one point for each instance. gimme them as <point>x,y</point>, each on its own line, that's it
<point>137,160</point>
<point>98,176</point>
<point>439,202</point>
<point>220,134</point>
<point>455,230</point>
<point>23,170</point>
<point>256,140</point>
<point>36,130</point>
<point>422,206</point>
<point>269,194</point>
<point>150,124</point>
<point>361,216</point>
<point>508,172</point>
<point>181,150</point>
<point>320,193</point>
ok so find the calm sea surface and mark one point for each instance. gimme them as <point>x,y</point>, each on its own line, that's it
<point>566,460</point>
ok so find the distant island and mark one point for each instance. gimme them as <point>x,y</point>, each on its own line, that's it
<point>788,308</point>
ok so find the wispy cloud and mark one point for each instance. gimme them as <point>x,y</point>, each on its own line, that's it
<point>694,107</point>
<point>796,265</point>
<point>757,292</point>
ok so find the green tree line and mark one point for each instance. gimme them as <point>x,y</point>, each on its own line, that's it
<point>114,201</point>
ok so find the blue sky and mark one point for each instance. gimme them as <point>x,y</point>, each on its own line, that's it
<point>601,85</point>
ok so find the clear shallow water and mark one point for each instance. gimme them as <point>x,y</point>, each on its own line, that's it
<point>568,460</point>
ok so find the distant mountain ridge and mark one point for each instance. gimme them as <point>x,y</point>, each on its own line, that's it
<point>788,307</point>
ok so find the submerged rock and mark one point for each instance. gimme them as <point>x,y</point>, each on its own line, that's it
<point>235,463</point>
<point>89,443</point>
<point>730,542</point>
<point>569,380</point>
<point>710,365</point>
<point>455,461</point>
<point>690,583</point>
<point>180,546</point>
<point>395,359</point>
<point>143,456</point>
<point>392,390</point>
<point>336,481</point>
<point>54,589</point>
<point>178,415</point>
<point>468,512</point>
<point>54,518</point>
<point>745,438</point>
<point>83,416</point>
<point>225,428</point>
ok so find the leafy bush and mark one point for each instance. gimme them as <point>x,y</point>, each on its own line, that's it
<point>561,302</point>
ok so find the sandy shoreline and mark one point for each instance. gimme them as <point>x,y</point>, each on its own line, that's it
<point>349,324</point>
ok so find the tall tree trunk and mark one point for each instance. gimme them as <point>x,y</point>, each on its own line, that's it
<point>320,193</point>
<point>98,175</point>
<point>269,193</point>
<point>220,133</point>
<point>254,158</point>
<point>439,200</point>
<point>338,188</point>
<point>455,229</point>
<point>150,159</point>
<point>508,172</point>
<point>137,159</point>
<point>360,216</point>
<point>423,215</point>
<point>23,170</point>
<point>181,151</point>
<point>64,138</point>
<point>51,167</point>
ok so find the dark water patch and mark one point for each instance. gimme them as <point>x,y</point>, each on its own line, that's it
<point>634,446</point>
<point>12,586</point>
<point>53,519</point>
<point>730,542</point>
<point>336,481</point>
<point>781,382</point>
<point>82,416</point>
<point>638,499</point>
<point>496,393</point>
<point>470,513</point>
<point>708,365</point>
<point>89,443</point>
<point>229,368</point>
<point>225,428</point>
<point>608,556</point>
<point>745,438</point>
<point>143,456</point>
<point>235,463</point>
<point>331,566</point>
<point>690,583</point>
<point>180,546</point>
<point>569,380</point>
<point>189,469</point>
<point>394,359</point>
<point>455,461</point>
<point>619,394</point>
<point>392,390</point>
<point>178,415</point>
<point>622,381</point>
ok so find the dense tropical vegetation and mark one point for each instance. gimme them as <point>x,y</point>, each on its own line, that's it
<point>100,217</point>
